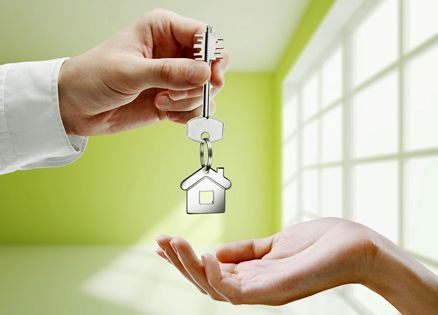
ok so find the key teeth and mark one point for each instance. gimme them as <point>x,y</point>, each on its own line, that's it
<point>213,53</point>
<point>199,41</point>
<point>218,53</point>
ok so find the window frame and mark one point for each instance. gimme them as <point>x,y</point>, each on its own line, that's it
<point>309,63</point>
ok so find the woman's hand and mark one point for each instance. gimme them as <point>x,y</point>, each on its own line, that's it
<point>302,260</point>
<point>143,74</point>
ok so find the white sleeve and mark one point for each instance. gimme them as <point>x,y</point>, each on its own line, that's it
<point>31,131</point>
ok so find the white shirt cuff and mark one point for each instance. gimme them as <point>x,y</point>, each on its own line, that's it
<point>31,131</point>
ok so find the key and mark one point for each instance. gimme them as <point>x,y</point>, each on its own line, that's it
<point>209,50</point>
<point>205,191</point>
<point>200,127</point>
<point>205,188</point>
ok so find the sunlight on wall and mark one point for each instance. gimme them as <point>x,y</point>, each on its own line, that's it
<point>204,230</point>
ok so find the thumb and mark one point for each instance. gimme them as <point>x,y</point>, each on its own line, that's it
<point>244,250</point>
<point>173,73</point>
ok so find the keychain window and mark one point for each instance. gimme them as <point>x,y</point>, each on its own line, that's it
<point>206,197</point>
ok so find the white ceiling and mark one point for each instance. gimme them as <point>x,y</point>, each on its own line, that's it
<point>255,32</point>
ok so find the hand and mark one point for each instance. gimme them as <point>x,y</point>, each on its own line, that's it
<point>299,261</point>
<point>305,259</point>
<point>143,74</point>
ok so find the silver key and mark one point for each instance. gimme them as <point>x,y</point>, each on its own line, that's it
<point>209,51</point>
<point>205,191</point>
<point>205,126</point>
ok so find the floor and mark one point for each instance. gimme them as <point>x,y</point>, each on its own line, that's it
<point>49,280</point>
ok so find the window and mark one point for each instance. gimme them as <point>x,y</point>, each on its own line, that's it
<point>360,131</point>
<point>206,197</point>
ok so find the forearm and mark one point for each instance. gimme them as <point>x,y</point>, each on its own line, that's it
<point>404,282</point>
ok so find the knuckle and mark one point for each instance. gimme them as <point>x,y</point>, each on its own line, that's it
<point>165,71</point>
<point>152,18</point>
<point>158,12</point>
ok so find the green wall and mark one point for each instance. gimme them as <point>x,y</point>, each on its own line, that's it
<point>311,19</point>
<point>126,186</point>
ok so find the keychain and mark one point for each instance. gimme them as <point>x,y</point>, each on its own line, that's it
<point>205,188</point>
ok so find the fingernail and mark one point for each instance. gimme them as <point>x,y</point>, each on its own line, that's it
<point>163,101</point>
<point>196,73</point>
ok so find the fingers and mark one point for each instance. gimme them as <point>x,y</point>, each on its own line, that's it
<point>218,70</point>
<point>194,267</point>
<point>179,95</point>
<point>168,73</point>
<point>206,274</point>
<point>182,28</point>
<point>166,100</point>
<point>168,253</point>
<point>228,287</point>
<point>183,117</point>
<point>244,250</point>
<point>161,253</point>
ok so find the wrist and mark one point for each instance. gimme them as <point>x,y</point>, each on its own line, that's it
<point>401,280</point>
<point>65,105</point>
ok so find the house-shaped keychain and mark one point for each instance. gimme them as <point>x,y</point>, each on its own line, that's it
<point>205,191</point>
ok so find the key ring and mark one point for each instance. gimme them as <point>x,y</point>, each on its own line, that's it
<point>207,165</point>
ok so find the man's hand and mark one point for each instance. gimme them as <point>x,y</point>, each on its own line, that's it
<point>305,259</point>
<point>143,74</point>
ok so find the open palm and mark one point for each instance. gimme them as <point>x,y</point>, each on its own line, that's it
<point>297,262</point>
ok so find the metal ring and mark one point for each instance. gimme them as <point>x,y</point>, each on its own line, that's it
<point>207,165</point>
